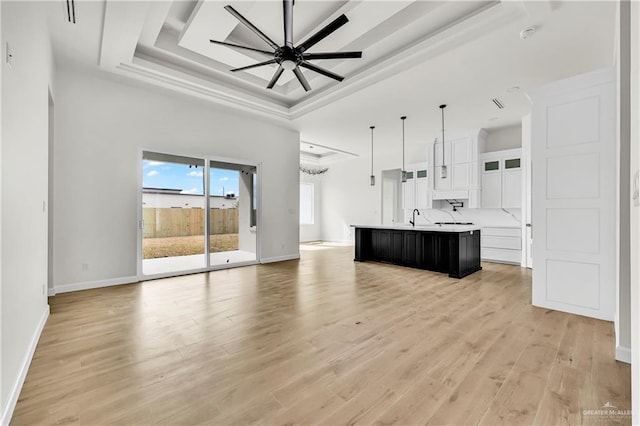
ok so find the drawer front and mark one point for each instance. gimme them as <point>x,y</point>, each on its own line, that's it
<point>513,243</point>
<point>501,255</point>
<point>502,232</point>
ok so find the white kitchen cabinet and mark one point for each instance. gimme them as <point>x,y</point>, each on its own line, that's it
<point>416,190</point>
<point>492,190</point>
<point>409,190</point>
<point>511,189</point>
<point>501,179</point>
<point>422,189</point>
<point>501,244</point>
<point>461,161</point>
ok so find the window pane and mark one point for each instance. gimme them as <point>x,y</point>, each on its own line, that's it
<point>491,165</point>
<point>306,203</point>
<point>409,175</point>
<point>422,173</point>
<point>514,163</point>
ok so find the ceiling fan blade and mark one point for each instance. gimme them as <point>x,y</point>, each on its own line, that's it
<point>275,77</point>
<point>324,32</point>
<point>301,79</point>
<point>288,22</point>
<point>261,64</point>
<point>252,27</point>
<point>332,55</point>
<point>237,46</point>
<point>322,71</point>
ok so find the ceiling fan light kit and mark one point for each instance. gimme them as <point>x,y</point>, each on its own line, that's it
<point>289,57</point>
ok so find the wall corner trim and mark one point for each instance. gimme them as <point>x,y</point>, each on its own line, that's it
<point>12,400</point>
<point>623,354</point>
<point>280,258</point>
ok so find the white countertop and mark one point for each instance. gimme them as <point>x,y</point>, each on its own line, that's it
<point>432,228</point>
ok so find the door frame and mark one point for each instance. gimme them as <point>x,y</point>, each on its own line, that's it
<point>206,174</point>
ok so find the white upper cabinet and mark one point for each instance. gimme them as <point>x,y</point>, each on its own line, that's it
<point>461,161</point>
<point>416,190</point>
<point>512,184</point>
<point>408,191</point>
<point>501,179</point>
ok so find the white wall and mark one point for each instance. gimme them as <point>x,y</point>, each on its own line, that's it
<point>313,232</point>
<point>635,213</point>
<point>502,138</point>
<point>101,125</point>
<point>24,170</point>
<point>623,57</point>
<point>347,196</point>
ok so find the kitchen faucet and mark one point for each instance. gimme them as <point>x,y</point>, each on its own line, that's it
<point>413,217</point>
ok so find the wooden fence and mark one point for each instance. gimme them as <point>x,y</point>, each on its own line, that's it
<point>185,222</point>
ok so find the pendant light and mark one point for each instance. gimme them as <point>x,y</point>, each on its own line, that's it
<point>373,178</point>
<point>443,169</point>
<point>404,172</point>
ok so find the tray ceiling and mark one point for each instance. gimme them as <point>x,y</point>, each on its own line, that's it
<point>168,43</point>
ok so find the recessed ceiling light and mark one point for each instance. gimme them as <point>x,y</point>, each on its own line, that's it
<point>527,32</point>
<point>514,89</point>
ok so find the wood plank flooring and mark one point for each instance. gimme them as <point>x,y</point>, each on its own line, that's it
<point>323,340</point>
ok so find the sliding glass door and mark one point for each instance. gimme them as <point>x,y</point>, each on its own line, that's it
<point>176,215</point>
<point>232,227</point>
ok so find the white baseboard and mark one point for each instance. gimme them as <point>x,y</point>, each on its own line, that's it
<point>7,410</point>
<point>51,292</point>
<point>65,288</point>
<point>280,258</point>
<point>623,354</point>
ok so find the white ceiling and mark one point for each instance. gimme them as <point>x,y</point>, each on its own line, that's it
<point>416,55</point>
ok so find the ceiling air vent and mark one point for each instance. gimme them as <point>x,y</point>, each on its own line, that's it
<point>498,103</point>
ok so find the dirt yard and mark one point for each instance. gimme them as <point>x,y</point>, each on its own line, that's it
<point>184,246</point>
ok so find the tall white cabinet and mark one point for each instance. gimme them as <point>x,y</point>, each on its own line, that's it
<point>417,189</point>
<point>501,179</point>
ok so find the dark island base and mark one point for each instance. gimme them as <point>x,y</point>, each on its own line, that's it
<point>455,253</point>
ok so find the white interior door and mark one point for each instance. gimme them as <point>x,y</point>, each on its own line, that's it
<point>573,155</point>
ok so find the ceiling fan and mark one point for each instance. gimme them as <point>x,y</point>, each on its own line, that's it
<point>290,57</point>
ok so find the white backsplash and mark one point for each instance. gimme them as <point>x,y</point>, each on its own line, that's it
<point>481,217</point>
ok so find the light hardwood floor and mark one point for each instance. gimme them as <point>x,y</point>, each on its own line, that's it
<point>321,341</point>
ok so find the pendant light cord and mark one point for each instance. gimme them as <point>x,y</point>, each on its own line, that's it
<point>372,127</point>
<point>442,107</point>
<point>403,118</point>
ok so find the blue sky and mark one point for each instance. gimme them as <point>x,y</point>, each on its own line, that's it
<point>157,174</point>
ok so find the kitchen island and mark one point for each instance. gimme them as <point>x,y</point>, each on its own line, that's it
<point>452,249</point>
